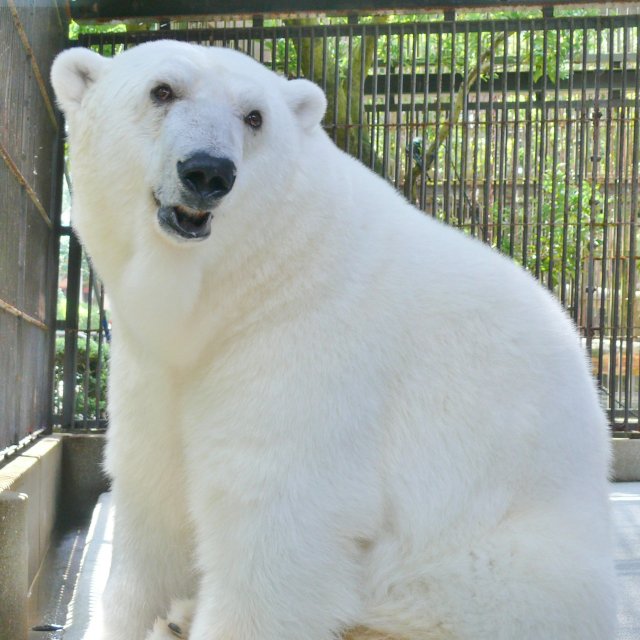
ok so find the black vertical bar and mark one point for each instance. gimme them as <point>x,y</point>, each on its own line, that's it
<point>542,152</point>
<point>580,158</point>
<point>551,283</point>
<point>476,137</point>
<point>409,176</point>
<point>604,296</point>
<point>448,162</point>
<point>399,97</point>
<point>502,146</point>
<point>527,152</point>
<point>312,55</point>
<point>635,197</point>
<point>87,353</point>
<point>57,175</point>
<point>593,202</point>
<point>387,98</point>
<point>336,85</point>
<point>633,213</point>
<point>101,336</point>
<point>615,361</point>
<point>287,49</point>
<point>488,135</point>
<point>434,162</point>
<point>71,332</point>
<point>347,122</point>
<point>425,119</point>
<point>325,47</point>
<point>515,160</point>
<point>567,177</point>
<point>374,102</point>
<point>464,151</point>
<point>361,99</point>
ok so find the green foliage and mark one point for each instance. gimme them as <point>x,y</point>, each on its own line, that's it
<point>76,29</point>
<point>563,226</point>
<point>86,377</point>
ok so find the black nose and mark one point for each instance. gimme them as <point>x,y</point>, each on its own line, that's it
<point>207,177</point>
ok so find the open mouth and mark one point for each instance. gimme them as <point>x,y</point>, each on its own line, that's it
<point>187,223</point>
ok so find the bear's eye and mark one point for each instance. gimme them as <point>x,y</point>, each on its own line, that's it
<point>254,119</point>
<point>163,93</point>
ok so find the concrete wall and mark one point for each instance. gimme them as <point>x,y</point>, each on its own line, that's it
<point>29,497</point>
<point>626,459</point>
<point>57,480</point>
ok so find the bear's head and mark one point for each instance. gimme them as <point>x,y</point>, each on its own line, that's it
<point>167,136</point>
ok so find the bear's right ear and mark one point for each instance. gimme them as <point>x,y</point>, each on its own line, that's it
<point>72,73</point>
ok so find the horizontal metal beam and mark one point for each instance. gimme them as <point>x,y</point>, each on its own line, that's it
<point>114,9</point>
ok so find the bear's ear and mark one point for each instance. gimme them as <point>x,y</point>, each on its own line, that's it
<point>307,101</point>
<point>72,73</point>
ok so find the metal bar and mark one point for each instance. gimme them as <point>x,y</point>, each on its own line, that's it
<point>387,111</point>
<point>448,161</point>
<point>14,311</point>
<point>347,120</point>
<point>542,152</point>
<point>71,333</point>
<point>476,137</point>
<point>57,181</point>
<point>336,86</point>
<point>398,116</point>
<point>425,121</point>
<point>436,134</point>
<point>33,196</point>
<point>635,196</point>
<point>593,204</point>
<point>604,296</point>
<point>488,133</point>
<point>631,262</point>
<point>463,202</point>
<point>501,147</point>
<point>87,352</point>
<point>361,100</point>
<point>374,102</point>
<point>551,284</point>
<point>615,363</point>
<point>42,86</point>
<point>515,162</point>
<point>581,154</point>
<point>567,175</point>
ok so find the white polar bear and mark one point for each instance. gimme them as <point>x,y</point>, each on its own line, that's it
<point>329,413</point>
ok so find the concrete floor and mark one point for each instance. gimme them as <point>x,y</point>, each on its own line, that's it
<point>72,562</point>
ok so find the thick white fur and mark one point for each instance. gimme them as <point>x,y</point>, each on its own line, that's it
<point>335,411</point>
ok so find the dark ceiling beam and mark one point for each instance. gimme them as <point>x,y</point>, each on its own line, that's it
<point>158,9</point>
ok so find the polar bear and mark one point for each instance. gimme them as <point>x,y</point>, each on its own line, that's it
<point>329,414</point>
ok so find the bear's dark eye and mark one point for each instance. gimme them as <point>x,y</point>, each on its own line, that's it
<point>163,93</point>
<point>254,119</point>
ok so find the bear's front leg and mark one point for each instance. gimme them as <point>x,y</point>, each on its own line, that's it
<point>282,497</point>
<point>275,574</point>
<point>152,547</point>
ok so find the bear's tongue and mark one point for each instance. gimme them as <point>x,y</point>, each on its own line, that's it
<point>186,223</point>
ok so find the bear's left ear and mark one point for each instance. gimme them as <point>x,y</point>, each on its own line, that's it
<point>73,72</point>
<point>307,101</point>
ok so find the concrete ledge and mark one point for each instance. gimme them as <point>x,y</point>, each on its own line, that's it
<point>626,459</point>
<point>36,473</point>
<point>57,480</point>
<point>13,565</point>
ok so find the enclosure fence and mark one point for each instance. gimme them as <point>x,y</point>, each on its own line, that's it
<point>523,133</point>
<point>31,134</point>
